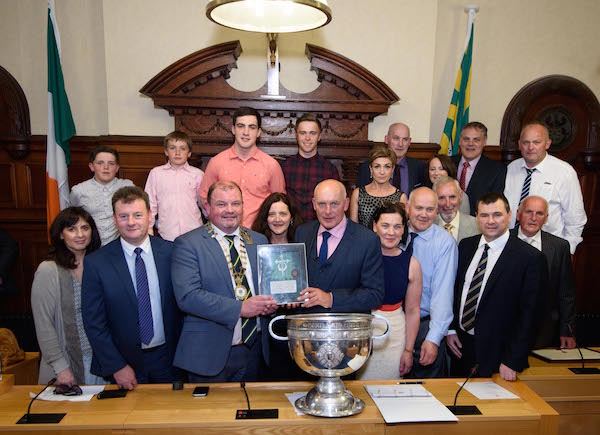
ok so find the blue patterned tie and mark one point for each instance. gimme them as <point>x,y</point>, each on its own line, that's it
<point>249,325</point>
<point>470,308</point>
<point>143,295</point>
<point>323,249</point>
<point>525,190</point>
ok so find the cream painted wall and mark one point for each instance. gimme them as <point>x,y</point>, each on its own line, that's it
<point>111,48</point>
<point>515,42</point>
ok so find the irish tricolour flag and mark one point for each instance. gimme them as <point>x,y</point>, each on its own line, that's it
<point>60,126</point>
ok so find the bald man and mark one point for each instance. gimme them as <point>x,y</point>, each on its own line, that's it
<point>409,173</point>
<point>345,266</point>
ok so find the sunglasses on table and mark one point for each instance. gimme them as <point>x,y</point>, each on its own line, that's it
<point>65,390</point>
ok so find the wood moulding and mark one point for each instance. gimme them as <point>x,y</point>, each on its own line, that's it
<point>195,91</point>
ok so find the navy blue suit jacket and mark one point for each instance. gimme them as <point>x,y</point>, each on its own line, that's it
<point>488,176</point>
<point>416,175</point>
<point>507,317</point>
<point>110,309</point>
<point>353,273</point>
<point>204,292</point>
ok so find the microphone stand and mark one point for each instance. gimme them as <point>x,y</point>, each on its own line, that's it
<point>583,370</point>
<point>465,409</point>
<point>29,418</point>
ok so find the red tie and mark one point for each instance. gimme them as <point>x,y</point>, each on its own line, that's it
<point>463,177</point>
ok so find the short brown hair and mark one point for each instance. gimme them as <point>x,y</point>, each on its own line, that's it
<point>309,117</point>
<point>129,194</point>
<point>223,185</point>
<point>103,149</point>
<point>178,136</point>
<point>381,151</point>
<point>246,111</point>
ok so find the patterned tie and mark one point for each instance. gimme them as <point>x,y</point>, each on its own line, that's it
<point>525,190</point>
<point>463,177</point>
<point>470,308</point>
<point>526,185</point>
<point>448,227</point>
<point>323,249</point>
<point>249,325</point>
<point>143,295</point>
<point>409,247</point>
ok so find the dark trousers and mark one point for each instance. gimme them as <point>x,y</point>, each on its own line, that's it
<point>461,367</point>
<point>157,367</point>
<point>435,370</point>
<point>243,364</point>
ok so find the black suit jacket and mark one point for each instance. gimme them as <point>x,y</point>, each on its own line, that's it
<point>489,176</point>
<point>416,174</point>
<point>508,312</point>
<point>9,252</point>
<point>559,294</point>
<point>353,273</point>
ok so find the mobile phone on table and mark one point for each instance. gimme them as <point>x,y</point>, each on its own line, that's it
<point>112,394</point>
<point>200,391</point>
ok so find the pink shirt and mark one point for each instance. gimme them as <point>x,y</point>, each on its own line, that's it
<point>173,195</point>
<point>258,177</point>
<point>334,240</point>
<point>470,169</point>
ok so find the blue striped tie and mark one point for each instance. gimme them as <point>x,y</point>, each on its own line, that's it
<point>470,308</point>
<point>143,295</point>
<point>525,189</point>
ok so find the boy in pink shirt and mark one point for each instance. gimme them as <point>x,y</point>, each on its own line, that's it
<point>172,189</point>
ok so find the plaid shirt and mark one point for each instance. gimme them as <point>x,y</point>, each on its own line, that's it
<point>301,177</point>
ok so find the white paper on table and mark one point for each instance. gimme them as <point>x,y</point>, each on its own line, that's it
<point>412,403</point>
<point>88,391</point>
<point>488,390</point>
<point>292,397</point>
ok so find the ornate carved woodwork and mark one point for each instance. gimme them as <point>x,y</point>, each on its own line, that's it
<point>195,91</point>
<point>572,113</point>
<point>14,115</point>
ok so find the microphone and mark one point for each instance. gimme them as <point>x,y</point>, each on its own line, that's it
<point>465,409</point>
<point>583,370</point>
<point>29,418</point>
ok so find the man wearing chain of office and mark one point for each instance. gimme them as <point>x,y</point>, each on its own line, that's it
<point>214,272</point>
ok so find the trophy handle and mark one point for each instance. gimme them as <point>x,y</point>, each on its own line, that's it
<point>378,337</point>
<point>279,337</point>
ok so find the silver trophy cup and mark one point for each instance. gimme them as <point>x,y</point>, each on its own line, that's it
<point>329,346</point>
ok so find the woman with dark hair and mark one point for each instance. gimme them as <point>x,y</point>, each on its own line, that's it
<point>56,300</point>
<point>278,217</point>
<point>440,165</point>
<point>393,356</point>
<point>365,200</point>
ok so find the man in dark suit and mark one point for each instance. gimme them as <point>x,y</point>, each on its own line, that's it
<point>9,252</point>
<point>477,174</point>
<point>345,265</point>
<point>496,296</point>
<point>558,321</point>
<point>215,279</point>
<point>408,173</point>
<point>129,311</point>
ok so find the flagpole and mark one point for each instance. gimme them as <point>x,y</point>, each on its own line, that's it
<point>471,10</point>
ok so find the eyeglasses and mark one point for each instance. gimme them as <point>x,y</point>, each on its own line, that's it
<point>65,390</point>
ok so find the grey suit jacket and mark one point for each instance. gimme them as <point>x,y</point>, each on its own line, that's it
<point>204,292</point>
<point>467,226</point>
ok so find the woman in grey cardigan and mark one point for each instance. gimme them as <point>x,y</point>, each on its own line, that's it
<point>56,300</point>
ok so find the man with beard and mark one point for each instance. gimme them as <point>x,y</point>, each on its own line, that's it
<point>450,196</point>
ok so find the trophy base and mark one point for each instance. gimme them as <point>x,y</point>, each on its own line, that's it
<point>330,399</point>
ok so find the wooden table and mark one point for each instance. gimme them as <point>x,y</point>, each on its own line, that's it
<point>575,397</point>
<point>156,409</point>
<point>27,371</point>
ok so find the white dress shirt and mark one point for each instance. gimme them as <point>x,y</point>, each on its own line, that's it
<point>555,181</point>
<point>495,249</point>
<point>535,241</point>
<point>237,242</point>
<point>153,285</point>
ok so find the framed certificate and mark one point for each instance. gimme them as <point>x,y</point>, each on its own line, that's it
<point>282,271</point>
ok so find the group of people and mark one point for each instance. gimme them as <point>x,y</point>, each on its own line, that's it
<point>452,252</point>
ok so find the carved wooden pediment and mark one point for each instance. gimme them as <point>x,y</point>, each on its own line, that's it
<point>15,127</point>
<point>195,91</point>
